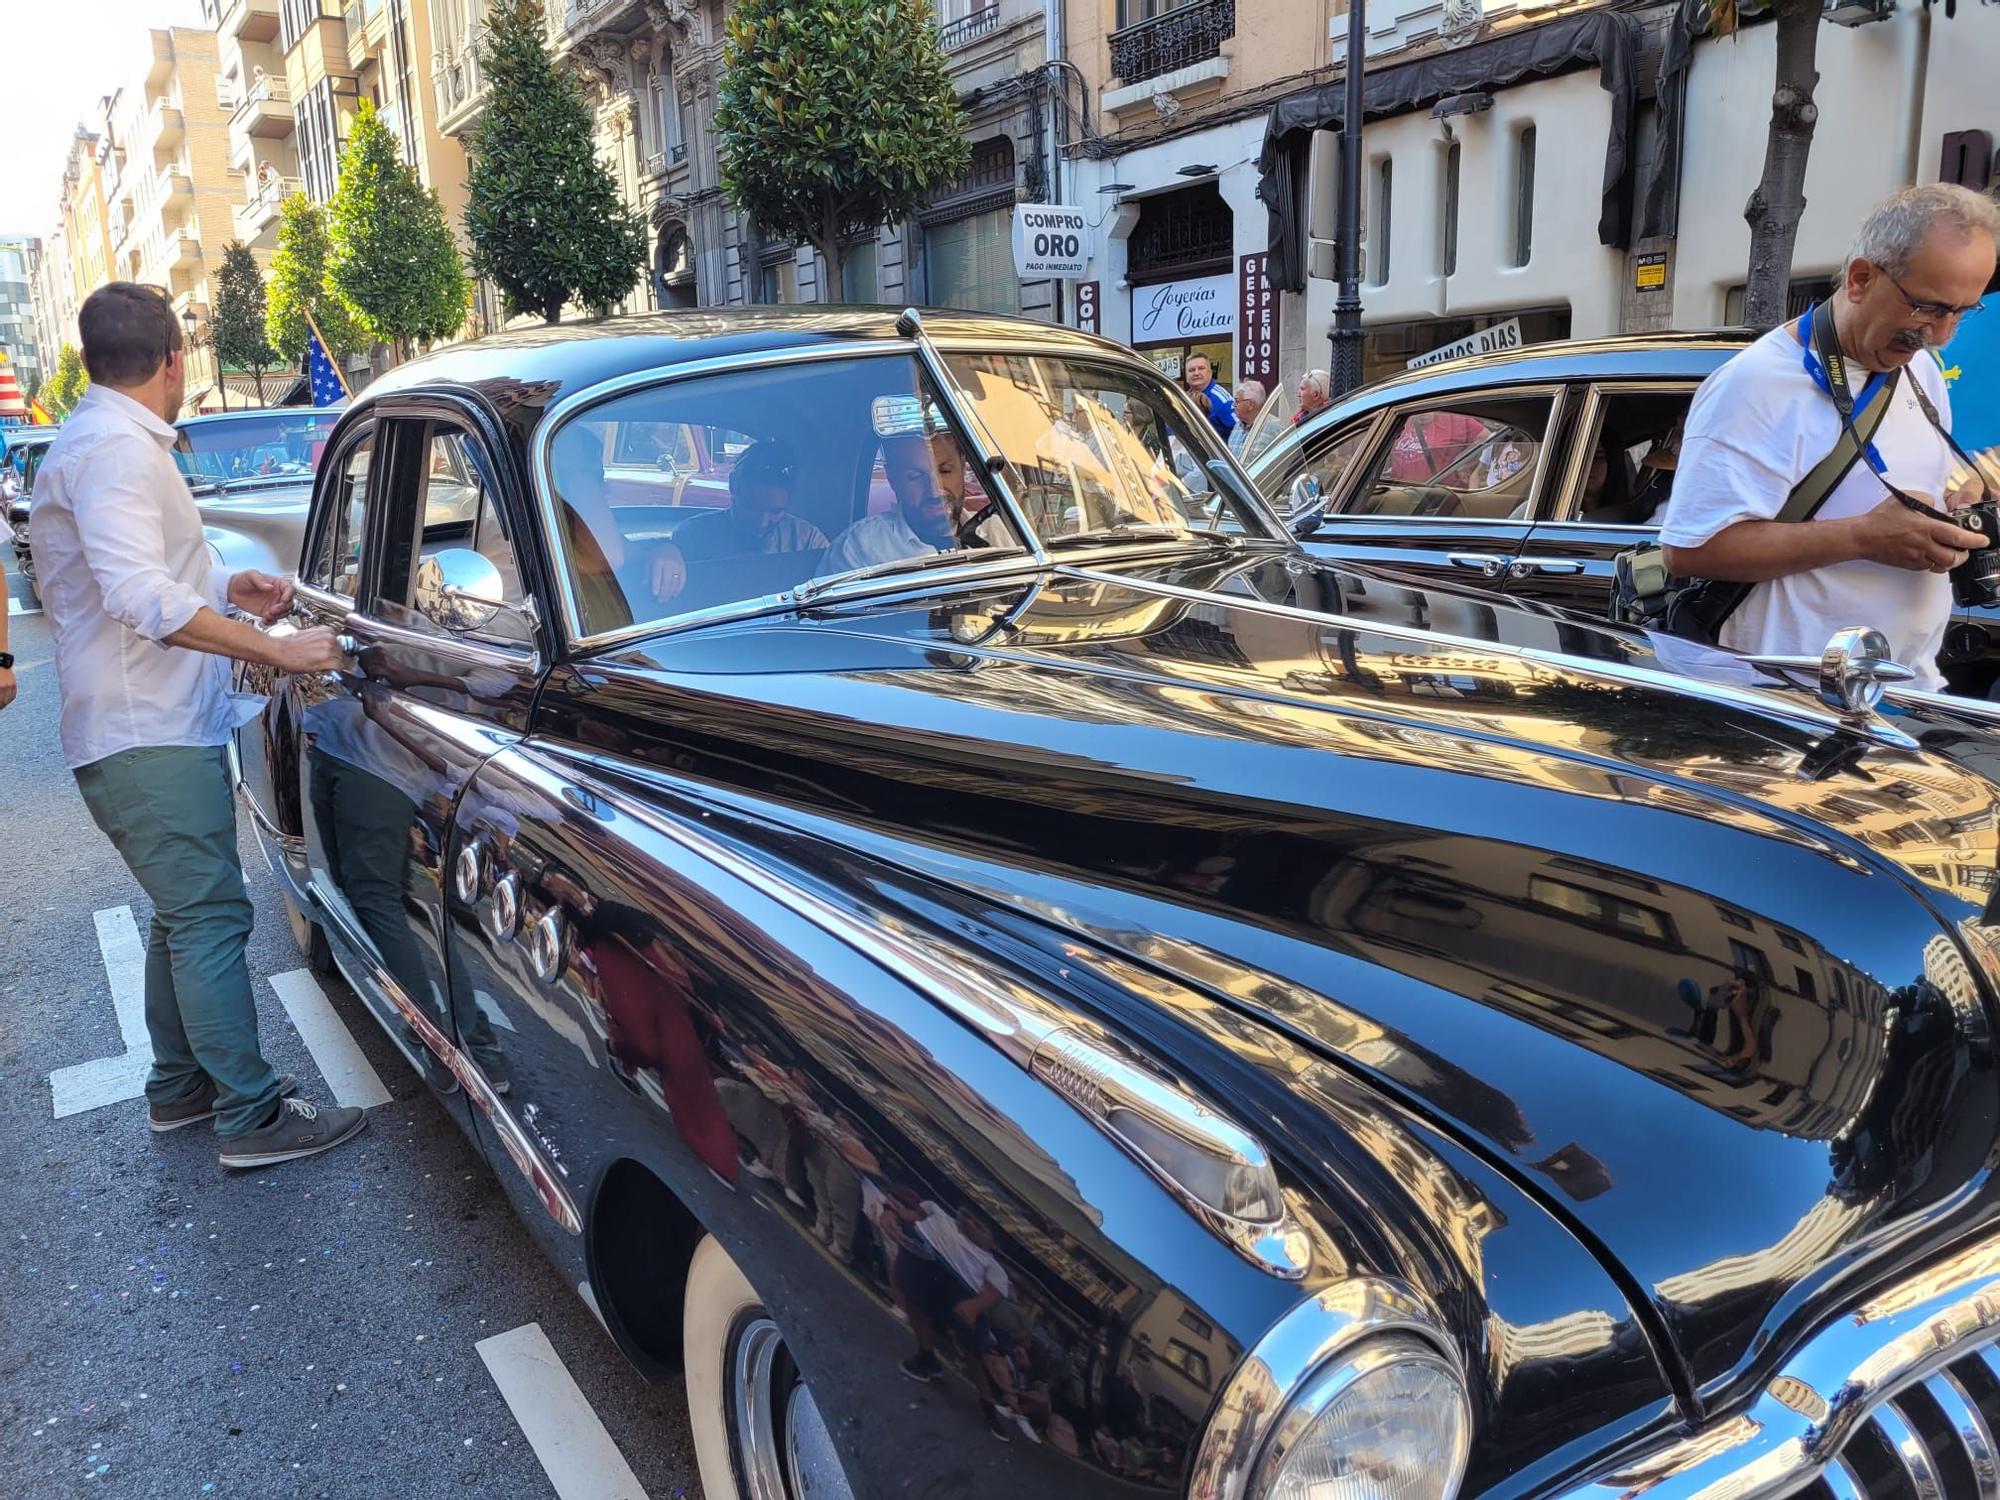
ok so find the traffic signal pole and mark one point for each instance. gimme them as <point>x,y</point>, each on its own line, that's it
<point>1346,367</point>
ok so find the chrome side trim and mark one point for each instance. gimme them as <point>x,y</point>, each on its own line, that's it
<point>1811,715</point>
<point>1028,1028</point>
<point>1972,708</point>
<point>527,1160</point>
<point>1267,1379</point>
<point>292,845</point>
<point>1837,1382</point>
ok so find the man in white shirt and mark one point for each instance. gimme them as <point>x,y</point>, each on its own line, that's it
<point>1764,420</point>
<point>928,476</point>
<point>142,639</point>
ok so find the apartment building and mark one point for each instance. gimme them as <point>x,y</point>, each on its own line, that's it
<point>1525,164</point>
<point>18,340</point>
<point>163,155</point>
<point>651,69</point>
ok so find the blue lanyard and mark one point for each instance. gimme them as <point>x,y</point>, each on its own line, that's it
<point>1817,371</point>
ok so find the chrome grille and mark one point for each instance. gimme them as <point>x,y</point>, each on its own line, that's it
<point>1933,1441</point>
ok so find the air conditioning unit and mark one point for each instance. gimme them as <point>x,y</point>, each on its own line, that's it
<point>1858,12</point>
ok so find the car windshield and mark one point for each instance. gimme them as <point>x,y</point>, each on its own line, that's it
<point>282,444</point>
<point>1101,451</point>
<point>738,486</point>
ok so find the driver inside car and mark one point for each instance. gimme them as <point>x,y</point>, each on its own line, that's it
<point>928,477</point>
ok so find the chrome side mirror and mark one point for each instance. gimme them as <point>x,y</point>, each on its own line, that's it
<point>459,589</point>
<point>1305,505</point>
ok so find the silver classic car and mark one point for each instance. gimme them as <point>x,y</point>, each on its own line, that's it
<point>1525,473</point>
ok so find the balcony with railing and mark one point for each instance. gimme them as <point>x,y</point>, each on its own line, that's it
<point>970,27</point>
<point>264,110</point>
<point>1172,40</point>
<point>260,215</point>
<point>460,84</point>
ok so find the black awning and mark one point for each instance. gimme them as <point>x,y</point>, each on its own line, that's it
<point>1609,40</point>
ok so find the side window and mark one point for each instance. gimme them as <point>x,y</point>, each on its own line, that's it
<point>337,567</point>
<point>1626,471</point>
<point>460,511</point>
<point>1475,458</point>
<point>1333,457</point>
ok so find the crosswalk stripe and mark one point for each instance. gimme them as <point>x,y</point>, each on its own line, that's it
<point>112,1080</point>
<point>349,1075</point>
<point>575,1451</point>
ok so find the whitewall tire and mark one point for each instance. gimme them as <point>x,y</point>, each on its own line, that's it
<point>758,1434</point>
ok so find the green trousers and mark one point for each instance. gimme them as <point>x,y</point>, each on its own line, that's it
<point>168,811</point>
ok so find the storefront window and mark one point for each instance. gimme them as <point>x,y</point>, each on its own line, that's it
<point>969,264</point>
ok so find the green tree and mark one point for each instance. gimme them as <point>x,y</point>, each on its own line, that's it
<point>298,282</point>
<point>62,390</point>
<point>393,260</point>
<point>835,116</point>
<point>236,330</point>
<point>544,216</point>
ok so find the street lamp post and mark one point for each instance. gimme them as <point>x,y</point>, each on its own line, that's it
<point>189,323</point>
<point>1347,335</point>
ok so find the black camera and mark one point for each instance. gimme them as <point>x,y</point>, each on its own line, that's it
<point>1976,581</point>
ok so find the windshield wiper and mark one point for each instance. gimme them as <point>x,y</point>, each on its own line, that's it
<point>812,588</point>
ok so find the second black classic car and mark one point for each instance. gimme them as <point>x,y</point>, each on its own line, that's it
<point>1014,979</point>
<point>1526,473</point>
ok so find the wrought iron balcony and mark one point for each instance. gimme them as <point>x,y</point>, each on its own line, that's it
<point>952,34</point>
<point>1175,39</point>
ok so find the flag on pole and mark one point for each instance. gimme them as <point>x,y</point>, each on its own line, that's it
<point>327,387</point>
<point>38,414</point>
<point>13,408</point>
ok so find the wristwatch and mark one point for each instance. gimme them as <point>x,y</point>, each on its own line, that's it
<point>6,661</point>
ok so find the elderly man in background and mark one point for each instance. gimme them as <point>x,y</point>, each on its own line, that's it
<point>1315,396</point>
<point>1250,397</point>
<point>143,636</point>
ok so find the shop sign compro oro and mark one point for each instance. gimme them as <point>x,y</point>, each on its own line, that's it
<point>1050,239</point>
<point>1184,311</point>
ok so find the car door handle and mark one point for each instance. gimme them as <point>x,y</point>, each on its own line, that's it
<point>1524,567</point>
<point>1486,564</point>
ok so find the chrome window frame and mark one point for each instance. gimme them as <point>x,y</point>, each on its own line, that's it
<point>1558,394</point>
<point>1589,422</point>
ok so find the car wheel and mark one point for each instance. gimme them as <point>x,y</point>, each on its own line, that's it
<point>757,1430</point>
<point>310,936</point>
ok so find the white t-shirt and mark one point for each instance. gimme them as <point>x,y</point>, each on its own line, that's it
<point>871,540</point>
<point>1757,427</point>
<point>976,1267</point>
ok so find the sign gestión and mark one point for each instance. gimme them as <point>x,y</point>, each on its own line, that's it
<point>1050,240</point>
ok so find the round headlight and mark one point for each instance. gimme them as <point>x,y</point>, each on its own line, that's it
<point>1388,1421</point>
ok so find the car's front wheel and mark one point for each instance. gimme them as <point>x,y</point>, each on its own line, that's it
<point>310,937</point>
<point>757,1430</point>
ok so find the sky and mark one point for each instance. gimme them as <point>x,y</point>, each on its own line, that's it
<point>61,57</point>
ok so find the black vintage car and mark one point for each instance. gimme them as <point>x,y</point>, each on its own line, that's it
<point>1525,473</point>
<point>1014,979</point>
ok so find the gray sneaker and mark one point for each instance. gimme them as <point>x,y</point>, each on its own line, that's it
<point>301,1129</point>
<point>198,1106</point>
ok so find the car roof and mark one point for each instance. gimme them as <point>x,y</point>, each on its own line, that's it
<point>535,367</point>
<point>245,414</point>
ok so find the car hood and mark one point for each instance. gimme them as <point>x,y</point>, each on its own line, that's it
<point>1692,965</point>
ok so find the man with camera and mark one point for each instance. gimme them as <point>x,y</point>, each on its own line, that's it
<point>1817,474</point>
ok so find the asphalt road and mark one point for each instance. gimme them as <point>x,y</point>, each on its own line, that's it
<point>170,1329</point>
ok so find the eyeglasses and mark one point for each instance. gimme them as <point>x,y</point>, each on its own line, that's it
<point>1930,312</point>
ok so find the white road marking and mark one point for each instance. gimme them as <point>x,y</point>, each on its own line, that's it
<point>574,1449</point>
<point>112,1080</point>
<point>14,606</point>
<point>348,1074</point>
<point>490,1008</point>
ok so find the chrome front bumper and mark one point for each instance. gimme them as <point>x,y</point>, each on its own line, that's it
<point>1899,1397</point>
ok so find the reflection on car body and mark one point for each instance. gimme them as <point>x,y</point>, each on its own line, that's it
<point>1107,983</point>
